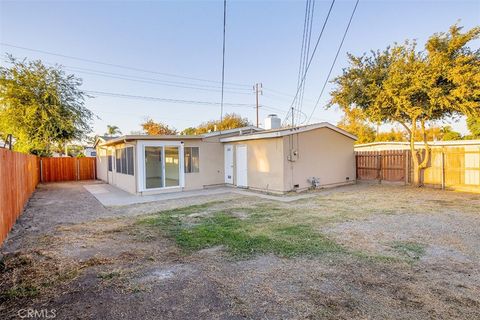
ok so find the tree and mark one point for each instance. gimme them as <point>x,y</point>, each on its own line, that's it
<point>354,121</point>
<point>473,124</point>
<point>413,89</point>
<point>229,121</point>
<point>189,131</point>
<point>41,106</point>
<point>151,127</point>
<point>447,133</point>
<point>392,135</point>
<point>112,131</point>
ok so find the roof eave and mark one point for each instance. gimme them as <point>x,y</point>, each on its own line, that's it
<point>288,131</point>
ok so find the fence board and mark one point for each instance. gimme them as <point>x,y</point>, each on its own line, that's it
<point>456,168</point>
<point>67,169</point>
<point>381,165</point>
<point>19,175</point>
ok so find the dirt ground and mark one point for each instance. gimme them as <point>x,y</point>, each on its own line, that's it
<point>401,253</point>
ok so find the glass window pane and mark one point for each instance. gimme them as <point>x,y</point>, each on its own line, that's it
<point>110,162</point>
<point>124,161</point>
<point>188,159</point>
<point>195,159</point>
<point>118,160</point>
<point>172,167</point>
<point>153,167</point>
<point>130,161</point>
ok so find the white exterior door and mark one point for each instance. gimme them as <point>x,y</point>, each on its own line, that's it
<point>242,167</point>
<point>229,164</point>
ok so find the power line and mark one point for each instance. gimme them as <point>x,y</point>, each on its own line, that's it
<point>313,52</point>
<point>150,80</point>
<point>334,60</point>
<point>118,65</point>
<point>303,54</point>
<point>149,98</point>
<point>307,53</point>
<point>159,83</point>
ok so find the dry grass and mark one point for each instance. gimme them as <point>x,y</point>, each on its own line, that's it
<point>354,252</point>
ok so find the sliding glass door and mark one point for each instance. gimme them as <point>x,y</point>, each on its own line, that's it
<point>172,167</point>
<point>153,167</point>
<point>162,167</point>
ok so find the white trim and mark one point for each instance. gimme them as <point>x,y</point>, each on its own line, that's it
<point>237,166</point>
<point>288,131</point>
<point>141,182</point>
<point>430,143</point>
<point>225,146</point>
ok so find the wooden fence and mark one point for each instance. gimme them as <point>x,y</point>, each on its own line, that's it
<point>19,175</point>
<point>453,168</point>
<point>391,165</point>
<point>67,169</point>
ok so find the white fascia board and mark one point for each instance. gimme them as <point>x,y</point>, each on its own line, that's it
<point>288,131</point>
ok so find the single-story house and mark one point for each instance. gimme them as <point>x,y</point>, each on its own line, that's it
<point>277,160</point>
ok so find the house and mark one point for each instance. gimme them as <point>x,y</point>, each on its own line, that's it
<point>276,160</point>
<point>89,151</point>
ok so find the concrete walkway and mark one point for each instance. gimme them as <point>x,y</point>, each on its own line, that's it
<point>110,196</point>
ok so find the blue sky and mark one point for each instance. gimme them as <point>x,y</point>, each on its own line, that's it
<point>185,39</point>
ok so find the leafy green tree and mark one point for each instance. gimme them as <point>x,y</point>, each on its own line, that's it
<point>151,127</point>
<point>447,133</point>
<point>355,122</point>
<point>411,88</point>
<point>112,131</point>
<point>41,106</point>
<point>473,124</point>
<point>392,135</point>
<point>229,121</point>
<point>189,131</point>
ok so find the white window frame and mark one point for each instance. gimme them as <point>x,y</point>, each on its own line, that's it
<point>141,182</point>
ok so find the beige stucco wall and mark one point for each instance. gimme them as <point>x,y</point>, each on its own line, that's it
<point>265,164</point>
<point>102,163</point>
<point>321,153</point>
<point>123,181</point>
<point>211,171</point>
<point>211,162</point>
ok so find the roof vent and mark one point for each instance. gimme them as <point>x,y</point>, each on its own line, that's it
<point>272,122</point>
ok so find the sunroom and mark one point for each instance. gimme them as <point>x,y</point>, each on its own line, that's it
<point>160,165</point>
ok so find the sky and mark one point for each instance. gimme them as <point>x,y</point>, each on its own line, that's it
<point>163,59</point>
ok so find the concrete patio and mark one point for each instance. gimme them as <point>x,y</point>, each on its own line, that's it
<point>110,196</point>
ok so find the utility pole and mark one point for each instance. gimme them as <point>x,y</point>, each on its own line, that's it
<point>258,90</point>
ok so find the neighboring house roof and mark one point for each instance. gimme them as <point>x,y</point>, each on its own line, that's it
<point>230,131</point>
<point>275,133</point>
<point>115,140</point>
<point>150,137</point>
<point>406,144</point>
<point>103,139</point>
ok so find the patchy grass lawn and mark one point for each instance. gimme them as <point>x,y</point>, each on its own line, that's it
<point>257,231</point>
<point>365,251</point>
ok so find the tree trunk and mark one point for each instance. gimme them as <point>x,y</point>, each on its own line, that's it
<point>417,170</point>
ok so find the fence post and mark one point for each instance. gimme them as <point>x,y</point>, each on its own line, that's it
<point>94,169</point>
<point>407,167</point>
<point>379,166</point>
<point>443,169</point>
<point>78,168</point>
<point>41,170</point>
